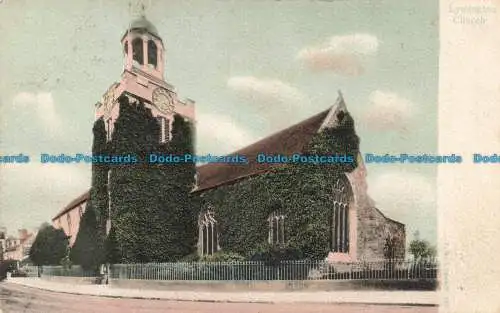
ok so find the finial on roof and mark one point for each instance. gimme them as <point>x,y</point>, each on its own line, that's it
<point>340,94</point>
<point>143,10</point>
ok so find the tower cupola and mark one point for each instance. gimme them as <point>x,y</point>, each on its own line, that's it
<point>143,48</point>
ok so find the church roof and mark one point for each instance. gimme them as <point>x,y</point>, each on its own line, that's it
<point>288,141</point>
<point>76,202</point>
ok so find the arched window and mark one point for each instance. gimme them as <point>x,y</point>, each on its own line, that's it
<point>152,53</point>
<point>164,125</point>
<point>109,129</point>
<point>208,233</point>
<point>276,228</point>
<point>138,51</point>
<point>340,217</point>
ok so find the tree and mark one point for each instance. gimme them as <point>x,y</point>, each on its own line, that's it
<point>112,249</point>
<point>50,246</point>
<point>421,249</point>
<point>88,250</point>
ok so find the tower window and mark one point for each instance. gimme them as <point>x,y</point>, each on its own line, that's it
<point>152,53</point>
<point>164,125</point>
<point>276,229</point>
<point>108,122</point>
<point>208,234</point>
<point>138,51</point>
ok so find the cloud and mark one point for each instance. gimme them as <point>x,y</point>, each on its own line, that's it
<point>34,192</point>
<point>389,111</point>
<point>220,134</point>
<point>276,103</point>
<point>267,91</point>
<point>41,104</point>
<point>408,197</point>
<point>343,55</point>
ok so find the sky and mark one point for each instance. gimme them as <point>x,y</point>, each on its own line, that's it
<point>252,67</point>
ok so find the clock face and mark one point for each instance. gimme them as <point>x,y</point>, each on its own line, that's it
<point>163,100</point>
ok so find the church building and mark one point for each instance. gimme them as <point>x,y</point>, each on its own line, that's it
<point>322,210</point>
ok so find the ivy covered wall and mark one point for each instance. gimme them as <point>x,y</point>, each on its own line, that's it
<point>151,211</point>
<point>302,192</point>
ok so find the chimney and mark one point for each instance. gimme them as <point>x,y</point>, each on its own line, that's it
<point>23,233</point>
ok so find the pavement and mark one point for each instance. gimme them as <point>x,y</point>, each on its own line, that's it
<point>15,298</point>
<point>415,298</point>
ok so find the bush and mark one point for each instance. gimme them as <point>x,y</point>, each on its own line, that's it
<point>223,257</point>
<point>274,255</point>
<point>7,266</point>
<point>50,246</point>
<point>88,250</point>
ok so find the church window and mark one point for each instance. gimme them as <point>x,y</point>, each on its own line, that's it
<point>125,47</point>
<point>80,211</point>
<point>208,233</point>
<point>276,229</point>
<point>167,129</point>
<point>108,122</point>
<point>164,125</point>
<point>138,52</point>
<point>340,218</point>
<point>152,53</point>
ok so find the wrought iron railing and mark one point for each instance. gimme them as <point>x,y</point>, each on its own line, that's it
<point>254,271</point>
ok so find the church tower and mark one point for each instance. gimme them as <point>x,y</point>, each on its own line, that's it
<point>142,85</point>
<point>143,79</point>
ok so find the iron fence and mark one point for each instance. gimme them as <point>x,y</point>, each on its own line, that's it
<point>31,271</point>
<point>253,271</point>
<point>286,270</point>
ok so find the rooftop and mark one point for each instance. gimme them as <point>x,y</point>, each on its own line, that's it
<point>288,141</point>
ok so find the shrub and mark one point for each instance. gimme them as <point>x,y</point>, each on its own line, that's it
<point>7,266</point>
<point>274,255</point>
<point>50,246</point>
<point>223,257</point>
<point>88,250</point>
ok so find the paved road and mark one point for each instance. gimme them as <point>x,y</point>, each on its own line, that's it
<point>19,299</point>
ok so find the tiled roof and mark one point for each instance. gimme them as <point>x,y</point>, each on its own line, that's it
<point>288,141</point>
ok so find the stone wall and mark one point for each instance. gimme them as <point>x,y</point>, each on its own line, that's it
<point>373,227</point>
<point>373,230</point>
